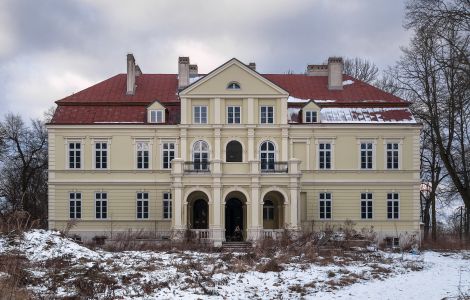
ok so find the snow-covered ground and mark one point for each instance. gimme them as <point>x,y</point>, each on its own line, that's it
<point>60,267</point>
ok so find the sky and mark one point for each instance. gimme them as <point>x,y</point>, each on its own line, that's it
<point>50,49</point>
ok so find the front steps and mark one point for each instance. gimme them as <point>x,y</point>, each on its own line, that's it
<point>237,246</point>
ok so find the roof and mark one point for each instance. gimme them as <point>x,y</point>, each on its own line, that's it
<point>107,101</point>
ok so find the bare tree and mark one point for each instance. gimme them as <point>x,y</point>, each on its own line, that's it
<point>361,69</point>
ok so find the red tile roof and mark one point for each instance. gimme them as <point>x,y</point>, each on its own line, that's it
<point>107,101</point>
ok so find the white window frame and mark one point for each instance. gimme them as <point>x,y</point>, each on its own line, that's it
<point>374,153</point>
<point>267,118</point>
<point>144,200</point>
<point>311,112</point>
<point>325,150</point>
<point>326,200</point>
<point>162,151</point>
<point>154,116</point>
<point>240,113</point>
<point>393,200</point>
<point>368,201</point>
<point>108,153</point>
<point>167,206</point>
<point>269,209</point>
<point>400,156</point>
<point>330,141</point>
<point>101,205</point>
<point>67,149</point>
<point>75,200</point>
<point>199,121</point>
<point>267,152</point>
<point>149,153</point>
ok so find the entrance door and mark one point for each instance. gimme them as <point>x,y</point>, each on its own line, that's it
<point>200,214</point>
<point>234,218</point>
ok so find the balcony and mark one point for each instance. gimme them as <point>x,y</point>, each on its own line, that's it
<point>274,167</point>
<point>197,167</point>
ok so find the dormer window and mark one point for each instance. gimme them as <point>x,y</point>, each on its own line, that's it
<point>233,86</point>
<point>311,116</point>
<point>157,116</point>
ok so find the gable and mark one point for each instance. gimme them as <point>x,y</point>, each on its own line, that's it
<point>156,105</point>
<point>216,82</point>
<point>311,106</point>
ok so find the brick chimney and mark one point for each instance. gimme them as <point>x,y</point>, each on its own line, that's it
<point>183,72</point>
<point>193,71</point>
<point>252,66</point>
<point>130,74</point>
<point>317,70</point>
<point>335,73</point>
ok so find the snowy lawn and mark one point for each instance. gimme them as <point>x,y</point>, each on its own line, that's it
<point>55,266</point>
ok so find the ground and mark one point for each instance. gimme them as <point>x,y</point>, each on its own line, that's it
<point>43,263</point>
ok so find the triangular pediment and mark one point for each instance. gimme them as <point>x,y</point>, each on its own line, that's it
<point>217,82</point>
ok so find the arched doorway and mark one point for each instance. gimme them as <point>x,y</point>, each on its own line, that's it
<point>273,210</point>
<point>235,216</point>
<point>200,214</point>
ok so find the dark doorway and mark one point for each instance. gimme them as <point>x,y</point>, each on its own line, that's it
<point>234,152</point>
<point>234,218</point>
<point>200,214</point>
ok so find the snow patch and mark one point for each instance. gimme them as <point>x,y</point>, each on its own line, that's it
<point>194,79</point>
<point>297,100</point>
<point>348,82</point>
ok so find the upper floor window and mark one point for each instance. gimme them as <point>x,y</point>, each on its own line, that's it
<point>200,114</point>
<point>168,154</point>
<point>324,156</point>
<point>392,155</point>
<point>143,154</point>
<point>101,155</point>
<point>233,115</point>
<point>157,116</point>
<point>267,155</point>
<point>234,152</point>
<point>267,115</point>
<point>201,155</point>
<point>310,116</point>
<point>233,86</point>
<point>75,155</point>
<point>367,153</point>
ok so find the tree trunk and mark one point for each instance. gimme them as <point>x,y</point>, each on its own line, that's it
<point>432,197</point>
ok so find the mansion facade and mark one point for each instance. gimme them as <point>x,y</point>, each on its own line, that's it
<point>234,148</point>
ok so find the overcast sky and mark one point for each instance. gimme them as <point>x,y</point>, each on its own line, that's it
<point>50,49</point>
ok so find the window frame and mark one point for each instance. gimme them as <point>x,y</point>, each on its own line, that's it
<point>101,200</point>
<point>149,154</point>
<point>373,154</point>
<point>399,154</point>
<point>268,210</point>
<point>75,200</point>
<point>108,152</point>
<point>167,206</point>
<point>200,107</point>
<point>393,201</point>
<point>325,151</point>
<point>234,118</point>
<point>267,115</point>
<point>203,164</point>
<point>312,113</point>
<point>369,206</point>
<point>325,199</point>
<point>67,160</point>
<point>234,86</point>
<point>163,151</point>
<point>157,112</point>
<point>267,152</point>
<point>144,203</point>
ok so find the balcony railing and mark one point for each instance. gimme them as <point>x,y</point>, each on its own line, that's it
<point>274,167</point>
<point>272,233</point>
<point>200,234</point>
<point>197,166</point>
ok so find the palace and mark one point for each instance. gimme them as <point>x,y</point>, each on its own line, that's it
<point>233,154</point>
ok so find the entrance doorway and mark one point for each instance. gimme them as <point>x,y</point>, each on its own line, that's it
<point>200,214</point>
<point>234,219</point>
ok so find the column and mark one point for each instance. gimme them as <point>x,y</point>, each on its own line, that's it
<point>256,225</point>
<point>183,145</point>
<point>285,144</point>
<point>178,222</point>
<point>216,226</point>
<point>251,144</point>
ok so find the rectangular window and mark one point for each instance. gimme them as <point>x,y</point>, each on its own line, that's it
<point>233,115</point>
<point>366,205</point>
<point>157,116</point>
<point>325,206</point>
<point>366,155</point>
<point>75,205</point>
<point>142,205</point>
<point>143,153</point>
<point>200,114</point>
<point>101,155</point>
<point>310,116</point>
<point>168,154</point>
<point>75,155</point>
<point>392,155</point>
<point>101,205</point>
<point>267,115</point>
<point>324,156</point>
<point>393,205</point>
<point>166,205</point>
<point>268,212</point>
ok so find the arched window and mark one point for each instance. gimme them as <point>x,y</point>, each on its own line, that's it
<point>233,85</point>
<point>268,210</point>
<point>234,152</point>
<point>267,155</point>
<point>200,155</point>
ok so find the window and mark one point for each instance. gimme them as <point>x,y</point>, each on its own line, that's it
<point>392,155</point>
<point>267,115</point>
<point>267,156</point>
<point>325,206</point>
<point>366,155</point>
<point>75,205</point>
<point>268,210</point>
<point>393,205</point>
<point>200,114</point>
<point>75,155</point>
<point>157,116</point>
<point>200,155</point>
<point>233,115</point>
<point>101,205</point>
<point>324,156</point>
<point>142,155</point>
<point>166,205</point>
<point>142,205</point>
<point>168,153</point>
<point>366,205</point>
<point>234,152</point>
<point>233,86</point>
<point>310,116</point>
<point>101,155</point>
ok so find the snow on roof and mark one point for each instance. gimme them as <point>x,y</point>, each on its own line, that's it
<point>366,115</point>
<point>296,100</point>
<point>194,79</point>
<point>348,82</point>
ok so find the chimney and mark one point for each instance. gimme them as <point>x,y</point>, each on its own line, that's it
<point>183,72</point>
<point>252,66</point>
<point>335,73</point>
<point>317,70</point>
<point>193,71</point>
<point>138,72</point>
<point>130,74</point>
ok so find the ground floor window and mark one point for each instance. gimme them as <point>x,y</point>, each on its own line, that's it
<point>75,205</point>
<point>142,205</point>
<point>166,205</point>
<point>393,205</point>
<point>325,206</point>
<point>268,210</point>
<point>366,205</point>
<point>101,205</point>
